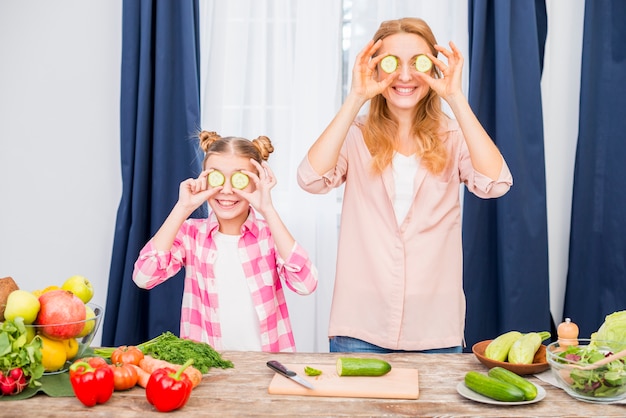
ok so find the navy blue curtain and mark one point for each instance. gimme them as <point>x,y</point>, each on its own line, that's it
<point>160,116</point>
<point>596,279</point>
<point>505,240</point>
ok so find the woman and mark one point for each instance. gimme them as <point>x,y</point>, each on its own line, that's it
<point>399,284</point>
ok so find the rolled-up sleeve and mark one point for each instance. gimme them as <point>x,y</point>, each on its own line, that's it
<point>154,267</point>
<point>484,187</point>
<point>298,272</point>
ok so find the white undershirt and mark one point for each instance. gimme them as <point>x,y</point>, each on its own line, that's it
<point>404,169</point>
<point>238,319</point>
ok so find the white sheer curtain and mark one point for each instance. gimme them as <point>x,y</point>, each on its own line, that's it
<point>274,68</point>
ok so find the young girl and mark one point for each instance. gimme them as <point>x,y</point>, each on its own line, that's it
<point>234,262</point>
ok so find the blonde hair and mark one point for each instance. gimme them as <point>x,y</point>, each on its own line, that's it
<point>212,143</point>
<point>380,128</point>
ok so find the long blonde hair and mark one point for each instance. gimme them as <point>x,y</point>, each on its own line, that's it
<point>380,128</point>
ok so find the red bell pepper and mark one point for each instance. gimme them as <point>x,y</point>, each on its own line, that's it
<point>168,389</point>
<point>92,384</point>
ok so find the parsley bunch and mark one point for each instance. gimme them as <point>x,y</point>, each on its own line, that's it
<point>169,347</point>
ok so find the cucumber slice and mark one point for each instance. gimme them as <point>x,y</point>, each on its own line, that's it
<point>353,366</point>
<point>239,180</point>
<point>389,64</point>
<point>423,64</point>
<point>311,371</point>
<point>216,178</point>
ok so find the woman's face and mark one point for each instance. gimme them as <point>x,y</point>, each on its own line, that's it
<point>408,89</point>
<point>231,209</point>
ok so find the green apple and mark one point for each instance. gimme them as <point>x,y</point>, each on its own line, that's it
<point>22,303</point>
<point>80,286</point>
<point>90,322</point>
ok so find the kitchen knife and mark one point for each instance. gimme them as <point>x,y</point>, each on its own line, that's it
<point>280,369</point>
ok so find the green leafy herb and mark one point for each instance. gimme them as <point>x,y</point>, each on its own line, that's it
<point>17,352</point>
<point>169,347</point>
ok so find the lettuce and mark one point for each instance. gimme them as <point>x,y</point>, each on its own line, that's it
<point>613,329</point>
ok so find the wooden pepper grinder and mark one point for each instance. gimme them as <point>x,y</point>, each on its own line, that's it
<point>567,332</point>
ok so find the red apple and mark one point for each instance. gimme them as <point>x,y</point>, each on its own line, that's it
<point>61,314</point>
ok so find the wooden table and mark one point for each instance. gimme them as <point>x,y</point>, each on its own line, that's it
<point>243,391</point>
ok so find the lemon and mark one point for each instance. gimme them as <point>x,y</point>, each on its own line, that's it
<point>71,348</point>
<point>53,354</point>
<point>389,64</point>
<point>423,64</point>
<point>40,292</point>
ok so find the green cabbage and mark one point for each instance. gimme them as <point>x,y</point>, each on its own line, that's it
<point>613,329</point>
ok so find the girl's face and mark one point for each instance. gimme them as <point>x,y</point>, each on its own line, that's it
<point>231,209</point>
<point>408,89</point>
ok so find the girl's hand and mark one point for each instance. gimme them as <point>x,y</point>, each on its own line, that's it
<point>450,84</point>
<point>364,73</point>
<point>194,192</point>
<point>260,198</point>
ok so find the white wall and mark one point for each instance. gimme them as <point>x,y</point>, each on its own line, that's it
<point>60,178</point>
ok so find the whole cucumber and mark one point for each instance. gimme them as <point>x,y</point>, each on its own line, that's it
<point>530,390</point>
<point>523,350</point>
<point>498,349</point>
<point>493,388</point>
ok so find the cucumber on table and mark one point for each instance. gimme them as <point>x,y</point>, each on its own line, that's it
<point>500,373</point>
<point>353,366</point>
<point>493,388</point>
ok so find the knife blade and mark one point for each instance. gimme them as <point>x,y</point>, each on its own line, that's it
<point>280,369</point>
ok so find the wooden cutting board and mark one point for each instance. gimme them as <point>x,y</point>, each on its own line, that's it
<point>397,384</point>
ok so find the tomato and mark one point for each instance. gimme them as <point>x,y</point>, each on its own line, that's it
<point>127,354</point>
<point>94,362</point>
<point>124,376</point>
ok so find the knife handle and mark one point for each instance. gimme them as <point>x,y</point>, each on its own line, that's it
<point>278,367</point>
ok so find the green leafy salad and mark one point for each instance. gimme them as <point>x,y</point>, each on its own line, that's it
<point>603,382</point>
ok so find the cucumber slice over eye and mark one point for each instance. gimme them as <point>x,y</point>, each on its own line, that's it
<point>239,180</point>
<point>389,64</point>
<point>216,178</point>
<point>423,64</point>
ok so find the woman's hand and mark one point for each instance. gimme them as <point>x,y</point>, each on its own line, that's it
<point>364,74</point>
<point>194,192</point>
<point>451,83</point>
<point>260,198</point>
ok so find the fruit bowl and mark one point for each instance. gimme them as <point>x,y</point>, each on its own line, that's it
<point>600,384</point>
<point>89,328</point>
<point>538,365</point>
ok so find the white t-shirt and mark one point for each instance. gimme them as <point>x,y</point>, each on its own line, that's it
<point>404,169</point>
<point>238,319</point>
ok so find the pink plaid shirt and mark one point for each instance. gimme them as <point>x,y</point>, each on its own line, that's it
<point>194,249</point>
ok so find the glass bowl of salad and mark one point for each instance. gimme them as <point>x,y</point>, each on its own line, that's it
<point>577,367</point>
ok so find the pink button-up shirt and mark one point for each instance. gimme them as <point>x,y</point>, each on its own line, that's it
<point>400,286</point>
<point>195,249</point>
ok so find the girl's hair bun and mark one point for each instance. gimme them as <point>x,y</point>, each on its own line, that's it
<point>207,138</point>
<point>264,145</point>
